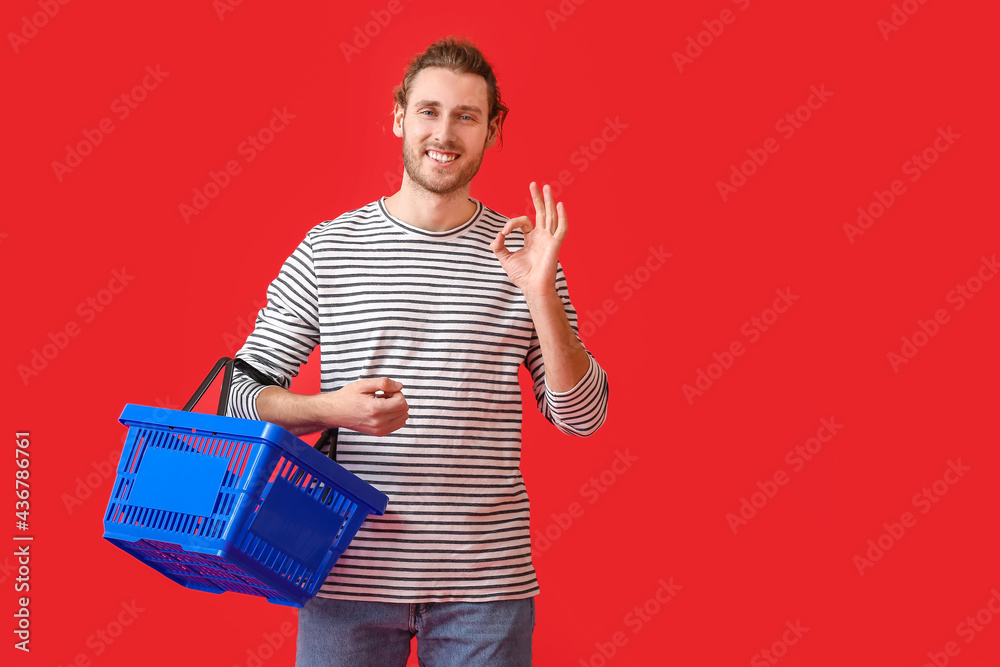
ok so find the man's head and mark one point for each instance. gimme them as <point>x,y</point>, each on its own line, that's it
<point>448,112</point>
<point>461,57</point>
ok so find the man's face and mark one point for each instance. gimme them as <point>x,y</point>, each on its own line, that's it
<point>445,129</point>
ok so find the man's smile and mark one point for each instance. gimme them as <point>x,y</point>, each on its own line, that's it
<point>442,157</point>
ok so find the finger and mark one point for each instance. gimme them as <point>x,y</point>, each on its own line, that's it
<point>395,417</point>
<point>396,424</point>
<point>372,386</point>
<point>550,209</point>
<point>390,385</point>
<point>386,395</point>
<point>387,385</point>
<point>396,402</point>
<point>536,197</point>
<point>383,413</point>
<point>522,222</point>
<point>385,428</point>
<point>498,247</point>
<point>563,227</point>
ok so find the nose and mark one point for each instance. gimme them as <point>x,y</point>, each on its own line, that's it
<point>444,131</point>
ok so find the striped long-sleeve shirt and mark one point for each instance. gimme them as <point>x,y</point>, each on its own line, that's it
<point>437,312</point>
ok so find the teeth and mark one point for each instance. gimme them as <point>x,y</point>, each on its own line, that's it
<point>441,157</point>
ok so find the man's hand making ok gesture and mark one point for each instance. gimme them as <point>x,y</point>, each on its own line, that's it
<point>533,267</point>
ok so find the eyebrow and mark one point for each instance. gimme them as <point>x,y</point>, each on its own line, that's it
<point>437,105</point>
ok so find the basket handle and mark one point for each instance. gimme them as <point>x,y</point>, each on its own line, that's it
<point>227,380</point>
<point>329,435</point>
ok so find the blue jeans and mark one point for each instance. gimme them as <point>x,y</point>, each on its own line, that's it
<point>347,633</point>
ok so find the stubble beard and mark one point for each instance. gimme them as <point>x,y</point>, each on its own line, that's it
<point>440,184</point>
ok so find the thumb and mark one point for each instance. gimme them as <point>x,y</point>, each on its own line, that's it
<point>384,384</point>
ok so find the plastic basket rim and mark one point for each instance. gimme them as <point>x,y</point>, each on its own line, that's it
<point>142,416</point>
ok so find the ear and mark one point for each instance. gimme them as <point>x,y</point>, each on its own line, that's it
<point>397,120</point>
<point>493,132</point>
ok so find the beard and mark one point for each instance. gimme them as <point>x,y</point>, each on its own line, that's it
<point>439,182</point>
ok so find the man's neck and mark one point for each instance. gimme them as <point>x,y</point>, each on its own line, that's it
<point>428,210</point>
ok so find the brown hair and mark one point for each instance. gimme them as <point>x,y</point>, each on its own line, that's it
<point>462,57</point>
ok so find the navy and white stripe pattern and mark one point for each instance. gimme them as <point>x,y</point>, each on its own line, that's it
<point>437,312</point>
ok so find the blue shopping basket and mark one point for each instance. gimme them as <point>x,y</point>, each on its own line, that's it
<point>219,504</point>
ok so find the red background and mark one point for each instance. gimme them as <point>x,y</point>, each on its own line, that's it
<point>195,285</point>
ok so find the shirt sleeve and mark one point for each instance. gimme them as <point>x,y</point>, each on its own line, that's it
<point>285,334</point>
<point>582,409</point>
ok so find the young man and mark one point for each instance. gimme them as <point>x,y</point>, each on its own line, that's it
<point>425,304</point>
